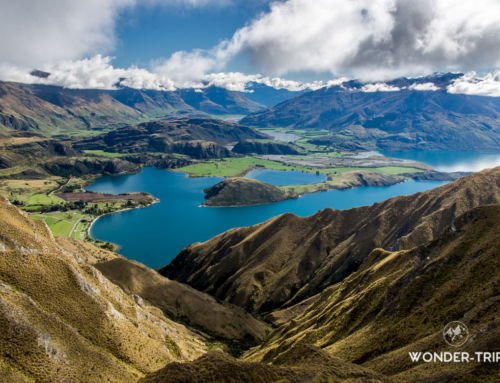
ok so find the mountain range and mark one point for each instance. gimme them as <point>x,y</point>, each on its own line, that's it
<point>397,116</point>
<point>367,285</point>
<point>53,110</point>
<point>403,114</point>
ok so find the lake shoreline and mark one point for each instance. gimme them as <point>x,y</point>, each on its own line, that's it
<point>178,220</point>
<point>91,224</point>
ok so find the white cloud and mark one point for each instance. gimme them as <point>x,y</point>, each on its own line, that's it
<point>371,39</point>
<point>36,32</point>
<point>488,85</point>
<point>379,87</point>
<point>95,73</point>
<point>239,82</point>
<point>426,86</point>
<point>187,67</point>
<point>98,73</point>
<point>336,82</point>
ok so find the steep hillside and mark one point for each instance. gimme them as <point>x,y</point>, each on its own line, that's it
<point>62,320</point>
<point>243,192</point>
<point>83,166</point>
<point>153,103</point>
<point>70,310</point>
<point>287,259</point>
<point>53,110</point>
<point>184,303</point>
<point>196,137</point>
<point>401,301</point>
<point>396,120</point>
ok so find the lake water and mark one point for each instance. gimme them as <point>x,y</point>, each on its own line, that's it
<point>155,235</point>
<point>450,161</point>
<point>281,178</point>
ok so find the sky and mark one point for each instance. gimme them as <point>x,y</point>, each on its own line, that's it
<point>169,44</point>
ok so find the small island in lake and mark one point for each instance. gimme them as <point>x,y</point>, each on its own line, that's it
<point>239,191</point>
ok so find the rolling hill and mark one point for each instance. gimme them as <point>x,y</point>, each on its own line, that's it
<point>240,191</point>
<point>196,137</point>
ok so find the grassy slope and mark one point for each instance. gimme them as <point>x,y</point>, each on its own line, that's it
<point>309,364</point>
<point>400,302</point>
<point>101,113</point>
<point>184,303</point>
<point>86,328</point>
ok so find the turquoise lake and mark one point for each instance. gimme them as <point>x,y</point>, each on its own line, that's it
<point>156,234</point>
<point>282,178</point>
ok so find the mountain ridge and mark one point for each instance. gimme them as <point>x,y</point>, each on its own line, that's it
<point>400,119</point>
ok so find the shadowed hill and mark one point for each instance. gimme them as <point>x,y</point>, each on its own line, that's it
<point>259,147</point>
<point>17,148</point>
<point>287,259</point>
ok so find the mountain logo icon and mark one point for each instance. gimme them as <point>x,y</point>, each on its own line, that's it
<point>455,333</point>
